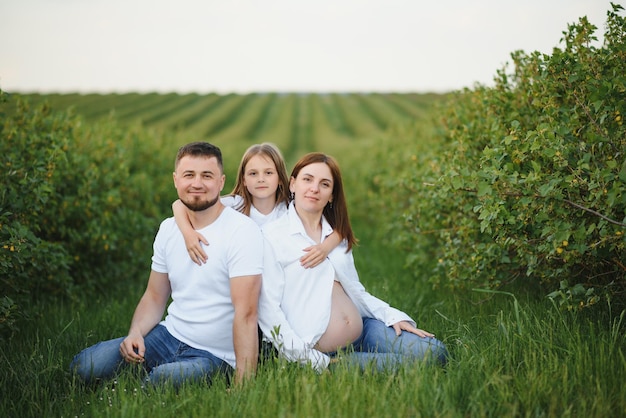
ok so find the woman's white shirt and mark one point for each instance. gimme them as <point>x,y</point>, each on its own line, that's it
<point>295,303</point>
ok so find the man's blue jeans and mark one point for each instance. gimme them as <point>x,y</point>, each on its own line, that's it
<point>379,346</point>
<point>166,359</point>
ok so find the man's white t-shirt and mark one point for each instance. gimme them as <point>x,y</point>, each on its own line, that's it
<point>201,312</point>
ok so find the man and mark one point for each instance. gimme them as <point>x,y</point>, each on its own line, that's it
<point>211,323</point>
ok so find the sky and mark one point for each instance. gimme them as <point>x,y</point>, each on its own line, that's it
<point>244,46</point>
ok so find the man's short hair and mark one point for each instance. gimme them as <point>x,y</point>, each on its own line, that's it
<point>200,149</point>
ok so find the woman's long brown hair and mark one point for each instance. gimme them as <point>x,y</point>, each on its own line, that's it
<point>336,213</point>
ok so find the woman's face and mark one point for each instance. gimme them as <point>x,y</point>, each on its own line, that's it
<point>312,188</point>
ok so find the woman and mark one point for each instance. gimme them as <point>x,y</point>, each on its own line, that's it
<point>312,314</point>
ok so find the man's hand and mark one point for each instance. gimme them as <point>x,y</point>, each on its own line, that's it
<point>133,349</point>
<point>406,326</point>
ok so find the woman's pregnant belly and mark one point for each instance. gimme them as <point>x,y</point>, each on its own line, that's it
<point>345,323</point>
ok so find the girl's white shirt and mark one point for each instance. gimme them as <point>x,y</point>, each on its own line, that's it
<point>235,202</point>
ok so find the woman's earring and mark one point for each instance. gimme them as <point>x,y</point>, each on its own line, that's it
<point>292,196</point>
<point>331,204</point>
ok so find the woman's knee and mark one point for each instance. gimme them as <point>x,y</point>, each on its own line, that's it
<point>439,353</point>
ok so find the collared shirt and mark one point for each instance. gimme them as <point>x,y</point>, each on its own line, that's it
<point>295,303</point>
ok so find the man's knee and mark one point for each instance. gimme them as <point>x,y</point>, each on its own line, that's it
<point>99,361</point>
<point>77,367</point>
<point>175,373</point>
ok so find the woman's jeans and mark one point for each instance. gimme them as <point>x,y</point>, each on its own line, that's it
<point>380,347</point>
<point>166,359</point>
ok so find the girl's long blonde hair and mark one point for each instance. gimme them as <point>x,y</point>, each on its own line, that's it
<point>270,151</point>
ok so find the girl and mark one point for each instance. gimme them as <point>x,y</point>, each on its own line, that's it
<point>262,193</point>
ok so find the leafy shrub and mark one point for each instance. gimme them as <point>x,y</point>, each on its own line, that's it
<point>531,179</point>
<point>78,209</point>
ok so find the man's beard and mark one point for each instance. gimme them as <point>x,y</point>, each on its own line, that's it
<point>198,206</point>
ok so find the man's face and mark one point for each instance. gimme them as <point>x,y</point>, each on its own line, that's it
<point>198,181</point>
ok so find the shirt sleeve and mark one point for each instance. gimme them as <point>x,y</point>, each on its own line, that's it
<point>159,260</point>
<point>245,257</point>
<point>273,321</point>
<point>368,304</point>
<point>232,201</point>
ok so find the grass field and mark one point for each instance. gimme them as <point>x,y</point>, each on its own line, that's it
<point>512,353</point>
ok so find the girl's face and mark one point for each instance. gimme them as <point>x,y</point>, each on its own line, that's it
<point>261,177</point>
<point>313,187</point>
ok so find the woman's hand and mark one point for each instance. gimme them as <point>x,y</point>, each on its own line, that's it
<point>406,326</point>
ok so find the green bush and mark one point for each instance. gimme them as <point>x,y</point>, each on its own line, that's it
<point>78,209</point>
<point>530,180</point>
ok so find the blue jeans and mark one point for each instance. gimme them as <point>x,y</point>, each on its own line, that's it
<point>166,359</point>
<point>379,346</point>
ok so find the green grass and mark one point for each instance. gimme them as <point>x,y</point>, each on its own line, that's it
<point>511,356</point>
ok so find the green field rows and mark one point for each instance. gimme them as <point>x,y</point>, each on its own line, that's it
<point>294,121</point>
